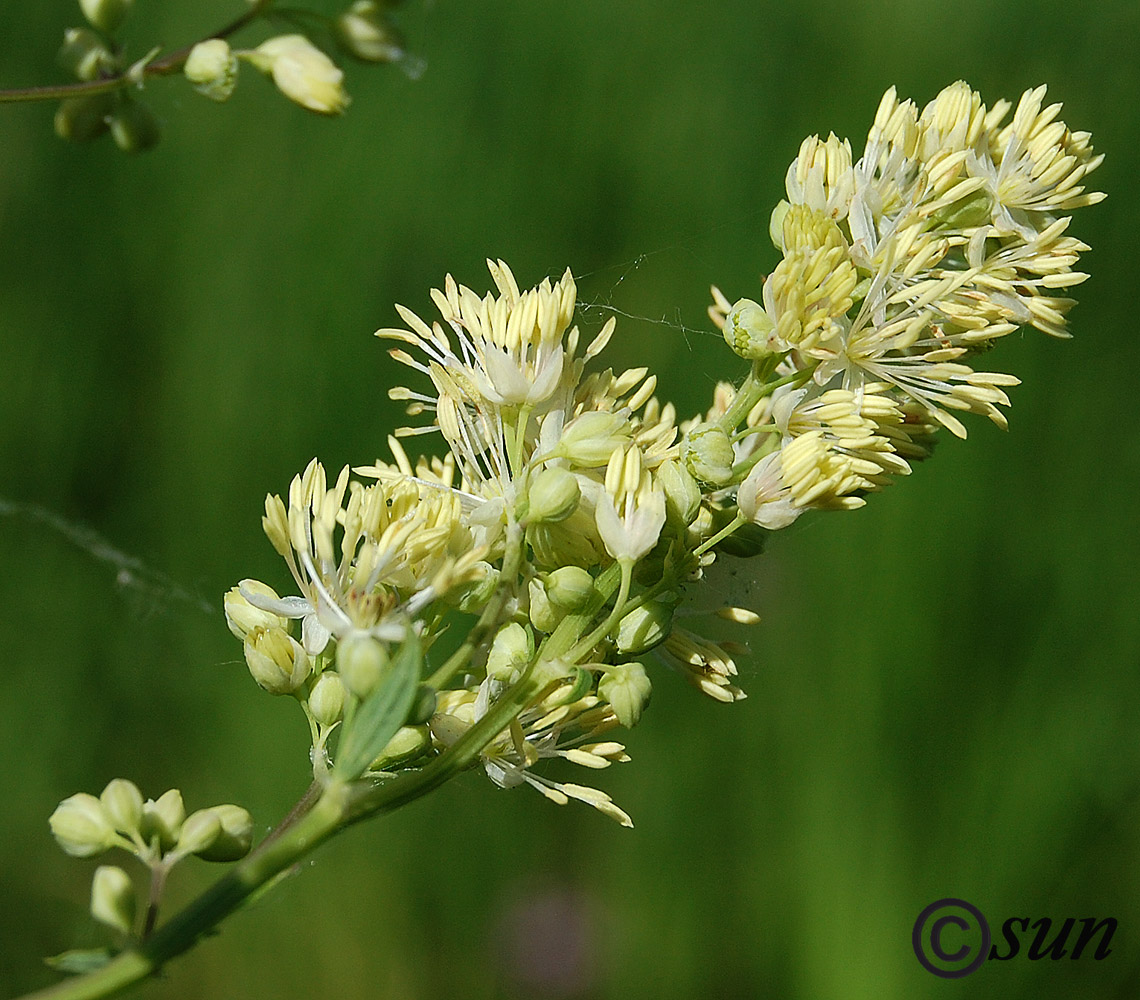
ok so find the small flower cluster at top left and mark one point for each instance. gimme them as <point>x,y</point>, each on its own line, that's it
<point>105,98</point>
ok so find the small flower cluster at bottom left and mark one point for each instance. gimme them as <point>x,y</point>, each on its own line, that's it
<point>156,831</point>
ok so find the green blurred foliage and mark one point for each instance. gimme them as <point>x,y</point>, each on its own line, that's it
<point>943,694</point>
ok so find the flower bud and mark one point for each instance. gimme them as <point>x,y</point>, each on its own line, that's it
<point>553,496</point>
<point>776,224</point>
<point>123,805</point>
<point>589,439</point>
<point>113,898</point>
<point>362,662</point>
<point>543,615</point>
<point>276,660</point>
<point>708,454</point>
<point>682,494</point>
<point>84,55</point>
<point>973,210</point>
<point>409,743</point>
<point>81,826</point>
<point>81,119</point>
<point>626,687</point>
<point>303,73</point>
<point>473,597</point>
<point>162,818</point>
<point>644,627</point>
<point>569,587</point>
<point>510,651</point>
<point>242,617</point>
<point>326,700</point>
<point>750,332</point>
<point>235,838</point>
<point>364,32</point>
<point>106,15</point>
<point>212,68</point>
<point>134,127</point>
<point>200,832</point>
<point>701,529</point>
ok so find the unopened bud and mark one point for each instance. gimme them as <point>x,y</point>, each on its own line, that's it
<point>123,805</point>
<point>235,838</point>
<point>113,898</point>
<point>569,587</point>
<point>409,743</point>
<point>84,55</point>
<point>682,494</point>
<point>326,700</point>
<point>776,224</point>
<point>591,438</point>
<point>973,210</point>
<point>134,127</point>
<point>553,496</point>
<point>277,661</point>
<point>81,119</point>
<point>362,662</point>
<point>162,818</point>
<point>106,15</point>
<point>473,597</point>
<point>644,627</point>
<point>708,454</point>
<point>242,617</point>
<point>750,332</point>
<point>200,832</point>
<point>363,31</point>
<point>543,615</point>
<point>626,687</point>
<point>81,826</point>
<point>510,652</point>
<point>212,68</point>
<point>303,73</point>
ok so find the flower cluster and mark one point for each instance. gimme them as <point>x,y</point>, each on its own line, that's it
<point>948,233</point>
<point>572,523</point>
<point>156,831</point>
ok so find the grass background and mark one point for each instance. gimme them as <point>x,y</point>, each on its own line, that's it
<point>943,694</point>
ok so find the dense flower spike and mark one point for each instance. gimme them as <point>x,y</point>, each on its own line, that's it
<point>577,520</point>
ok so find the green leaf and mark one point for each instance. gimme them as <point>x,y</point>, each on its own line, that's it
<point>379,715</point>
<point>80,960</point>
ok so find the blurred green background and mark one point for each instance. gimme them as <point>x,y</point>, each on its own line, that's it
<point>943,694</point>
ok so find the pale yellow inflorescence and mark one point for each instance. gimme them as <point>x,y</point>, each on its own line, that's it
<point>579,522</point>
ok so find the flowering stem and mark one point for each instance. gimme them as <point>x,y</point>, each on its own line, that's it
<point>158,874</point>
<point>166,66</point>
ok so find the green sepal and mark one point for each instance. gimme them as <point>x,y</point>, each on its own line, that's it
<point>79,961</point>
<point>381,713</point>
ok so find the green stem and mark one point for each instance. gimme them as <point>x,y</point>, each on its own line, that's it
<point>172,63</point>
<point>724,532</point>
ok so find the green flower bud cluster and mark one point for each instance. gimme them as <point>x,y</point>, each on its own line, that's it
<point>154,830</point>
<point>90,54</point>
